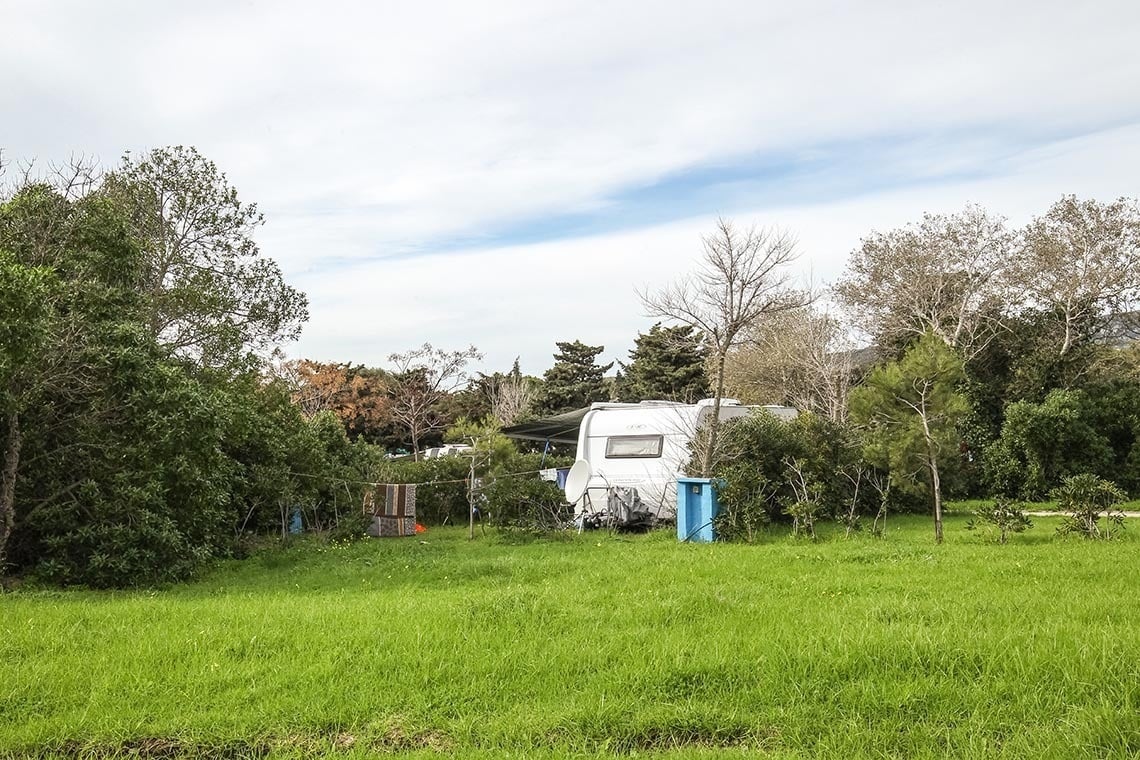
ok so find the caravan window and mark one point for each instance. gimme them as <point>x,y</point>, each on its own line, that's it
<point>633,446</point>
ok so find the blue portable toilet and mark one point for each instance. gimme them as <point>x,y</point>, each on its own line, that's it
<point>696,507</point>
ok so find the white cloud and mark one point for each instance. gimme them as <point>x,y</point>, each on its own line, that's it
<point>513,301</point>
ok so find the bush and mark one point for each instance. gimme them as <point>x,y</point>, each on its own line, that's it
<point>1088,499</point>
<point>775,470</point>
<point>134,491</point>
<point>1003,515</point>
<point>745,503</point>
<point>804,513</point>
<point>526,505</point>
<point>352,526</point>
<point>1042,444</point>
<point>757,488</point>
<point>441,496</point>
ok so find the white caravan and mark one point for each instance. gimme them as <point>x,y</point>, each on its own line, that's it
<point>644,446</point>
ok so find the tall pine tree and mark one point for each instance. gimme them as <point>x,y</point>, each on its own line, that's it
<point>575,380</point>
<point>666,363</point>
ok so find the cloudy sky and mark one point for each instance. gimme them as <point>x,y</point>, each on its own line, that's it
<point>507,174</point>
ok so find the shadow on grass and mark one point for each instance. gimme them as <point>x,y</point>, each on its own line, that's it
<point>627,734</point>
<point>314,744</point>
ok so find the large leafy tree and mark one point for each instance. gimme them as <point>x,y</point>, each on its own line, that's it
<point>122,478</point>
<point>1042,444</point>
<point>909,410</point>
<point>666,363</point>
<point>123,458</point>
<point>26,300</point>
<point>508,397</point>
<point>576,379</point>
<point>209,293</point>
<point>356,395</point>
<point>65,266</point>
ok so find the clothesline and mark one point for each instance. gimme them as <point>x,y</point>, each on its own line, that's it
<point>375,484</point>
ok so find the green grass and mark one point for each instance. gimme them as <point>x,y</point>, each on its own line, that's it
<point>601,645</point>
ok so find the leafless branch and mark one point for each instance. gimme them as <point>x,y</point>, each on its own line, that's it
<point>742,276</point>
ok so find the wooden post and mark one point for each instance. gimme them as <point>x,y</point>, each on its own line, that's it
<point>471,500</point>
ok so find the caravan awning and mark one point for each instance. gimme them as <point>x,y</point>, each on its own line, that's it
<point>561,428</point>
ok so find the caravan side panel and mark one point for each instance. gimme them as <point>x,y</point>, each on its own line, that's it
<point>639,447</point>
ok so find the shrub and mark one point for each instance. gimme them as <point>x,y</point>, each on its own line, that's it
<point>525,505</point>
<point>775,470</point>
<point>141,494</point>
<point>442,494</point>
<point>1088,499</point>
<point>804,513</point>
<point>744,503</point>
<point>1003,515</point>
<point>1041,444</point>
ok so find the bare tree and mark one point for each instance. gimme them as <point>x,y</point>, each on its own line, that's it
<point>801,357</point>
<point>946,275</point>
<point>420,381</point>
<point>742,277</point>
<point>1081,260</point>
<point>510,395</point>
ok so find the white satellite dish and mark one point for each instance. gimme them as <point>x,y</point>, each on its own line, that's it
<point>577,481</point>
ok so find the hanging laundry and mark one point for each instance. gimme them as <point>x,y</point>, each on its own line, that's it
<point>393,509</point>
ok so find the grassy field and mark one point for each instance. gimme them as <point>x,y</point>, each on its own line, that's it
<point>601,645</point>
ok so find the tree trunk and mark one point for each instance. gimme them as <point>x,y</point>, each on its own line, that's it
<point>8,484</point>
<point>471,502</point>
<point>878,529</point>
<point>932,463</point>
<point>936,486</point>
<point>1067,343</point>
<point>714,422</point>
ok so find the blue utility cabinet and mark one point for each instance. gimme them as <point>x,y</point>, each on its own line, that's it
<point>696,507</point>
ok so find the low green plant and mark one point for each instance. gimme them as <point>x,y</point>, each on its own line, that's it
<point>350,527</point>
<point>775,469</point>
<point>809,499</point>
<point>804,514</point>
<point>1003,516</point>
<point>1092,504</point>
<point>744,504</point>
<point>441,493</point>
<point>525,505</point>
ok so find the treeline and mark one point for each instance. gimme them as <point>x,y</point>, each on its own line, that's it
<point>409,405</point>
<point>139,435</point>
<point>145,427</point>
<point>1003,363</point>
